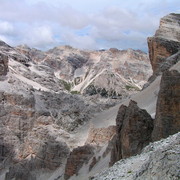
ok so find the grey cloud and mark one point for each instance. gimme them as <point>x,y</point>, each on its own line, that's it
<point>82,42</point>
<point>41,12</point>
<point>39,37</point>
<point>6,28</point>
<point>43,25</point>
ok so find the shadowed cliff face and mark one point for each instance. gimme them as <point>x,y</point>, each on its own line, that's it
<point>164,52</point>
<point>165,42</point>
<point>167,120</point>
<point>3,65</point>
<point>78,157</point>
<point>134,128</point>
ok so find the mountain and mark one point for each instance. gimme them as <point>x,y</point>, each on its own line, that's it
<point>69,114</point>
<point>41,106</point>
<point>110,73</point>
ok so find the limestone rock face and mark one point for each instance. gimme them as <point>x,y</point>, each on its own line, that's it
<point>166,40</point>
<point>100,136</point>
<point>109,73</point>
<point>50,156</point>
<point>12,53</point>
<point>78,157</point>
<point>169,27</point>
<point>167,120</point>
<point>134,128</point>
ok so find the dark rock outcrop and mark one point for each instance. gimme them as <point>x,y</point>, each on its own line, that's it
<point>165,42</point>
<point>3,64</point>
<point>134,128</point>
<point>167,120</point>
<point>78,157</point>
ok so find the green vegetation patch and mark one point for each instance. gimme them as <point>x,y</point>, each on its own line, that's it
<point>75,92</point>
<point>130,87</point>
<point>66,85</point>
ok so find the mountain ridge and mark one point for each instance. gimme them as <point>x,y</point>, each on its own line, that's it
<point>51,130</point>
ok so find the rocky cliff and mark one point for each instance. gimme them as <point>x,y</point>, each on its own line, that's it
<point>165,42</point>
<point>78,157</point>
<point>135,126</point>
<point>167,120</point>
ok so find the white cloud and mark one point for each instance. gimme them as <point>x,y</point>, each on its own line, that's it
<point>5,39</point>
<point>6,28</point>
<point>82,42</point>
<point>44,23</point>
<point>39,37</point>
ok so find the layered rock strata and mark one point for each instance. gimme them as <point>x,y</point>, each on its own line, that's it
<point>165,42</point>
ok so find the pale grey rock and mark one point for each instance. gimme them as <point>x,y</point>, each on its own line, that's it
<point>77,71</point>
<point>159,160</point>
<point>169,27</point>
<point>165,42</point>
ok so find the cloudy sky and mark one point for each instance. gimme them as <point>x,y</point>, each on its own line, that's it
<point>85,24</point>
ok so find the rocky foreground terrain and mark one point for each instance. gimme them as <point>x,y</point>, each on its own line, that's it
<point>158,160</point>
<point>68,113</point>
